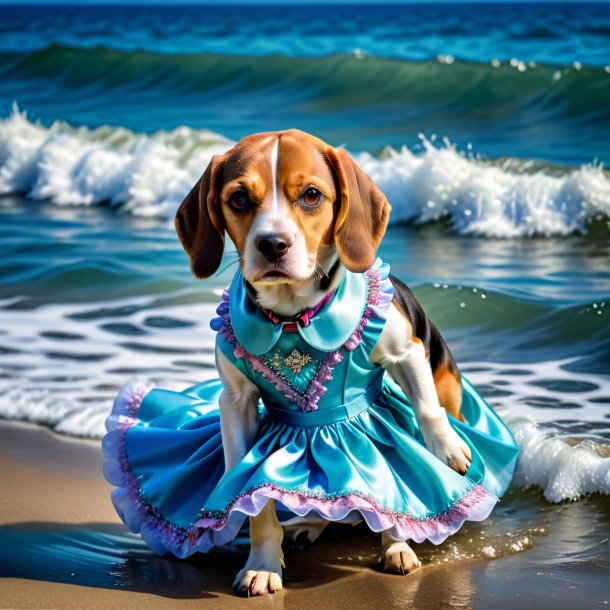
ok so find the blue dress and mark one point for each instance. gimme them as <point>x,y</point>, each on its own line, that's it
<point>337,438</point>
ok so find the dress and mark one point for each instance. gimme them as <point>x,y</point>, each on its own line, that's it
<point>336,438</point>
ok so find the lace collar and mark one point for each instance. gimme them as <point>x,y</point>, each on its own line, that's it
<point>327,330</point>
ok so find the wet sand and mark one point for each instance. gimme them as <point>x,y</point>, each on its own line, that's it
<point>63,546</point>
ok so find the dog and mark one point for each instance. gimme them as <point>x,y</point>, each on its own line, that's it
<point>300,213</point>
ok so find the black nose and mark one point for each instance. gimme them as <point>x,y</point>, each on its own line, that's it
<point>274,245</point>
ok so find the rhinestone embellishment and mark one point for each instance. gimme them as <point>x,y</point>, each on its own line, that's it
<point>296,361</point>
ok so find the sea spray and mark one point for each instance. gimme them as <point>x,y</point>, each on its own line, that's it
<point>563,470</point>
<point>484,199</point>
<point>146,175</point>
<point>149,175</point>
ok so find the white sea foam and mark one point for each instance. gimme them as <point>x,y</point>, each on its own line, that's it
<point>562,470</point>
<point>552,425</point>
<point>150,175</point>
<point>69,384</point>
<point>487,200</point>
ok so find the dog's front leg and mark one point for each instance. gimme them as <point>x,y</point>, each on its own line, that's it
<point>404,357</point>
<point>263,571</point>
<point>441,439</point>
<point>396,555</point>
<point>238,422</point>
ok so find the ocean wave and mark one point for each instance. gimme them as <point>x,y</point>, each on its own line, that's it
<point>564,471</point>
<point>334,80</point>
<point>508,106</point>
<point>413,32</point>
<point>488,200</point>
<point>148,175</point>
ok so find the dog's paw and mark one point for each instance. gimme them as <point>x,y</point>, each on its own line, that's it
<point>249,583</point>
<point>449,447</point>
<point>262,573</point>
<point>399,558</point>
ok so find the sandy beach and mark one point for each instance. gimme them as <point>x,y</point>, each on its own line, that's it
<point>63,546</point>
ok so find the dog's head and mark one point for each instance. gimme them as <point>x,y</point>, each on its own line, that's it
<point>287,200</point>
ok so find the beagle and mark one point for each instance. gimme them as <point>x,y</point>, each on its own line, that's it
<point>300,213</point>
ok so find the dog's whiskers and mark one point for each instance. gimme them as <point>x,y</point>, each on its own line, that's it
<point>319,264</point>
<point>236,259</point>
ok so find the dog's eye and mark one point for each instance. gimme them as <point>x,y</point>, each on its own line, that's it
<point>239,201</point>
<point>312,197</point>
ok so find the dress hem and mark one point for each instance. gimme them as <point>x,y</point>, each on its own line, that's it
<point>474,505</point>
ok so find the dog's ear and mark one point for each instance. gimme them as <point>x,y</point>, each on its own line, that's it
<point>199,222</point>
<point>362,213</point>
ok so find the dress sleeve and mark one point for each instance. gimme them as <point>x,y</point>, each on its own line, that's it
<point>225,337</point>
<point>380,294</point>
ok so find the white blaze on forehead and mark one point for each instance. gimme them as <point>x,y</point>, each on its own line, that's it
<point>274,151</point>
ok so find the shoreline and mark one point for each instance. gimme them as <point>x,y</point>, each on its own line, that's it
<point>65,547</point>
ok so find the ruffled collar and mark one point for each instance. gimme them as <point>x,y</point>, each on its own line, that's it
<point>327,330</point>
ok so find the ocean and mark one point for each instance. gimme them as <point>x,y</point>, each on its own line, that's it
<point>487,126</point>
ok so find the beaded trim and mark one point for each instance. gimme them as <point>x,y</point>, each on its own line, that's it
<point>308,399</point>
<point>337,505</point>
<point>295,361</point>
<point>123,417</point>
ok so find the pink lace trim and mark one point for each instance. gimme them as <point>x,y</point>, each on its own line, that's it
<point>130,499</point>
<point>308,400</point>
<point>475,505</point>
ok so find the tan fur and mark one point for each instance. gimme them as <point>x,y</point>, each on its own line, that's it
<point>247,166</point>
<point>446,380</point>
<point>362,216</point>
<point>199,223</point>
<point>449,389</point>
<point>298,168</point>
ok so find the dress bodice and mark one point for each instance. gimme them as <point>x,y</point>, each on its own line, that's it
<point>317,364</point>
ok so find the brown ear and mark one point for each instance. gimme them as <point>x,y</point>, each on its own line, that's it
<point>199,222</point>
<point>362,213</point>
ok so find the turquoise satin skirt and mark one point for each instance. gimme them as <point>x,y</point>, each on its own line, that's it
<point>164,453</point>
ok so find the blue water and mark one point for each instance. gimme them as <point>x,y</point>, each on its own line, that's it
<point>554,33</point>
<point>493,116</point>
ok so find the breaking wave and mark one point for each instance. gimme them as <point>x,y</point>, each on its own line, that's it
<point>149,175</point>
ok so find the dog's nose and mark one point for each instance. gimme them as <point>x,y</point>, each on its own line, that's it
<point>274,245</point>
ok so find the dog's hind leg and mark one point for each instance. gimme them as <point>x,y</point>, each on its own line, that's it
<point>303,531</point>
<point>397,556</point>
<point>262,573</point>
